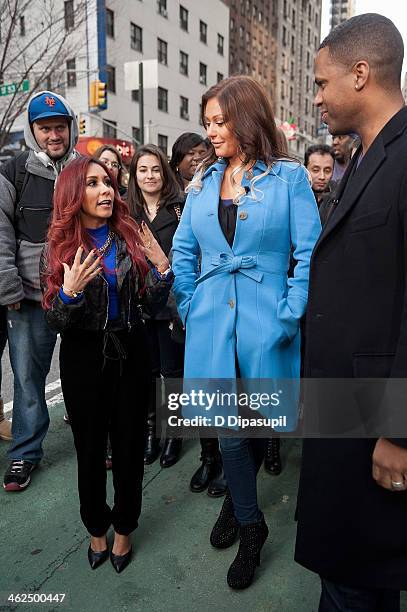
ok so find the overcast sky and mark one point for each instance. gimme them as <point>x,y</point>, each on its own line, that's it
<point>396,10</point>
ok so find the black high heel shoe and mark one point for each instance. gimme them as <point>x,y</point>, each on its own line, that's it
<point>120,562</point>
<point>252,538</point>
<point>97,558</point>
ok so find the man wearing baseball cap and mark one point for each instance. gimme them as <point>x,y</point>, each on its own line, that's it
<point>26,190</point>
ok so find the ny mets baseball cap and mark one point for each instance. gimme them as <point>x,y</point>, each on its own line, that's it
<point>45,106</point>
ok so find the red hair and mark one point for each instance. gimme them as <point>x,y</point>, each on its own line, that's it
<point>66,232</point>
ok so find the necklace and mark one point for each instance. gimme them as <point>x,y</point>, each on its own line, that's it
<point>104,249</point>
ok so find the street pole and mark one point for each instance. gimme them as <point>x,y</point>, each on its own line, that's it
<point>141,102</point>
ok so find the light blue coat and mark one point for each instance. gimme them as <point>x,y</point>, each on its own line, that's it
<point>240,303</point>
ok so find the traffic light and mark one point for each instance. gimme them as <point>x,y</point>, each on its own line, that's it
<point>101,94</point>
<point>98,95</point>
<point>82,126</point>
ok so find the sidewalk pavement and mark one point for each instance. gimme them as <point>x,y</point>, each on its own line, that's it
<point>44,545</point>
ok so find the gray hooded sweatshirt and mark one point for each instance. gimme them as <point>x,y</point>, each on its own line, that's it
<point>19,259</point>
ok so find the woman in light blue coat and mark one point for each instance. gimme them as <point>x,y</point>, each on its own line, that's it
<point>247,211</point>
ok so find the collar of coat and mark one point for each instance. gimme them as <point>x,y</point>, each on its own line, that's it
<point>258,168</point>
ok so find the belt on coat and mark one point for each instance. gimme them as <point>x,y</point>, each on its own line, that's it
<point>226,263</point>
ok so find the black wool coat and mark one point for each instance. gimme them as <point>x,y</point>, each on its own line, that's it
<point>351,530</point>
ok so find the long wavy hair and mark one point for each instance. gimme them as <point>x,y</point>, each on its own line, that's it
<point>170,191</point>
<point>247,113</point>
<point>66,232</point>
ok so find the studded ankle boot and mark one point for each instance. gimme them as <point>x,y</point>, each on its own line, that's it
<point>272,459</point>
<point>226,528</point>
<point>252,538</point>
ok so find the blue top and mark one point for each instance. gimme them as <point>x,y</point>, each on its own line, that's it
<point>99,237</point>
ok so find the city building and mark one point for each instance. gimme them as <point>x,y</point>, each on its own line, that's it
<point>186,44</point>
<point>341,10</point>
<point>275,41</point>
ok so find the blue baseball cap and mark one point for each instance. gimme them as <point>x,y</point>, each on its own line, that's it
<point>45,106</point>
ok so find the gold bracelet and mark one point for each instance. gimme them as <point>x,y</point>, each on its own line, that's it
<point>70,293</point>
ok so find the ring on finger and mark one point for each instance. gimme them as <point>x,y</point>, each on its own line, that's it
<point>397,485</point>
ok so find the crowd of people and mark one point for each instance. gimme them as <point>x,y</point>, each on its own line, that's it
<point>232,261</point>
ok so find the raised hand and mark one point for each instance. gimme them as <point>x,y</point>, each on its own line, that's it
<point>152,249</point>
<point>79,274</point>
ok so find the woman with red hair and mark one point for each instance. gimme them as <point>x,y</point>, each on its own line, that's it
<point>95,277</point>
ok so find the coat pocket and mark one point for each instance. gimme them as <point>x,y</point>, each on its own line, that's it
<point>370,220</point>
<point>372,365</point>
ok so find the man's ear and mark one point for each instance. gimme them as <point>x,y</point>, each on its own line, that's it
<point>361,72</point>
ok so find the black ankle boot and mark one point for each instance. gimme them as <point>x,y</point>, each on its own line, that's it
<point>152,449</point>
<point>218,486</point>
<point>171,452</point>
<point>226,528</point>
<point>211,465</point>
<point>252,538</point>
<point>272,459</point>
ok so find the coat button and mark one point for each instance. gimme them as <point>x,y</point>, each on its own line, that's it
<point>243,216</point>
<point>231,303</point>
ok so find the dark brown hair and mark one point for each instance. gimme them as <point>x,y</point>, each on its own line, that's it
<point>170,191</point>
<point>248,114</point>
<point>107,147</point>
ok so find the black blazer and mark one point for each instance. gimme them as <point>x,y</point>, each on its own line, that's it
<point>163,227</point>
<point>350,529</point>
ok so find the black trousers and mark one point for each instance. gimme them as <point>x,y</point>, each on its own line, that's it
<point>105,379</point>
<point>167,360</point>
<point>339,598</point>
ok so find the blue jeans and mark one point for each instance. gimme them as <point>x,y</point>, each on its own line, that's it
<point>339,598</point>
<point>3,336</point>
<point>242,458</point>
<point>31,344</point>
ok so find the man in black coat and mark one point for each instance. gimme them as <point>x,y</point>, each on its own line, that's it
<point>352,502</point>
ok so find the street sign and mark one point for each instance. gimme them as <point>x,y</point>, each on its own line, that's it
<point>11,88</point>
<point>150,75</point>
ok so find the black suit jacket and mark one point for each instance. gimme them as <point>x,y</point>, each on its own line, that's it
<point>351,530</point>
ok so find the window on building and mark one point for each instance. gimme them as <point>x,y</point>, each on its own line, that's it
<point>292,70</point>
<point>69,15</point>
<point>221,44</point>
<point>242,7</point>
<point>281,113</point>
<point>219,77</point>
<point>308,60</point>
<point>109,129</point>
<point>183,18</point>
<point>111,78</point>
<point>71,73</point>
<point>306,106</point>
<point>162,7</point>
<point>293,44</point>
<point>203,32</point>
<point>162,143</point>
<point>22,25</point>
<point>241,32</point>
<point>291,95</point>
<point>284,36</point>
<point>302,28</point>
<point>308,36</point>
<point>136,37</point>
<point>183,63</point>
<point>260,17</point>
<point>285,14</point>
<point>232,25</point>
<point>282,86</point>
<point>135,132</point>
<point>162,99</point>
<point>310,11</point>
<point>294,18</point>
<point>184,108</point>
<point>110,23</point>
<point>247,38</point>
<point>162,51</point>
<point>203,73</point>
<point>241,66</point>
<point>316,20</point>
<point>135,95</point>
